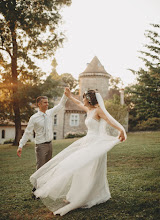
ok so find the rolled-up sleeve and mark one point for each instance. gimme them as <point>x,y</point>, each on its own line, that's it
<point>28,132</point>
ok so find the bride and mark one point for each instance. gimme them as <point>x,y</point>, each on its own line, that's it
<point>76,177</point>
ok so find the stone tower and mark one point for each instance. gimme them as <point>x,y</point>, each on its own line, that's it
<point>94,77</point>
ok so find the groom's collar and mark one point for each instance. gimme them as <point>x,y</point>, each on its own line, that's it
<point>41,113</point>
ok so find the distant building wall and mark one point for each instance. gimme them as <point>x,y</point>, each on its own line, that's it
<point>58,129</point>
<point>94,82</point>
<point>7,132</point>
<point>81,128</point>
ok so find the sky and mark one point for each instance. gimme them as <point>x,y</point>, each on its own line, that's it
<point>112,30</point>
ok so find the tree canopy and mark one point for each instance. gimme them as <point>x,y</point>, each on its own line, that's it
<point>143,97</point>
<point>69,80</point>
<point>28,31</point>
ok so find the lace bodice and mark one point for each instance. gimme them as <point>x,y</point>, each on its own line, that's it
<point>91,123</point>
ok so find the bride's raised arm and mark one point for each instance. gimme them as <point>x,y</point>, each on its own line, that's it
<point>67,92</point>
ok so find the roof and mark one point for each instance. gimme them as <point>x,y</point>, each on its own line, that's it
<point>71,106</point>
<point>95,66</point>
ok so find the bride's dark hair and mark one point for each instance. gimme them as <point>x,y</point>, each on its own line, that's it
<point>91,97</point>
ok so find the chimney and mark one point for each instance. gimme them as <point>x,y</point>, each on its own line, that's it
<point>121,96</point>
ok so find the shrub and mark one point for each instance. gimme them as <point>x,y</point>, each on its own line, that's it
<point>151,124</point>
<point>74,135</point>
<point>8,141</point>
<point>119,112</point>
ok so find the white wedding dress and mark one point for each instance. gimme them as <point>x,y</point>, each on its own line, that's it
<point>78,173</point>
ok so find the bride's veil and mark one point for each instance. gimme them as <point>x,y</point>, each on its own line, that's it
<point>104,126</point>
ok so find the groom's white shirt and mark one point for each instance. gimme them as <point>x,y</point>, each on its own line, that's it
<point>36,123</point>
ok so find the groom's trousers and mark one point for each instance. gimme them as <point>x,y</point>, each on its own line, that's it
<point>43,153</point>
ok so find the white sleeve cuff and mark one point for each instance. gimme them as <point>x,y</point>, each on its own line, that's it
<point>20,146</point>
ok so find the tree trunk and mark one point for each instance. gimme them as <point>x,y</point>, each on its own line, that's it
<point>16,107</point>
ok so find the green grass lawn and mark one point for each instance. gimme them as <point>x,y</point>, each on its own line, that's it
<point>133,175</point>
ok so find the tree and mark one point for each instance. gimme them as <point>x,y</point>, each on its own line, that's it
<point>52,86</point>
<point>115,84</point>
<point>69,80</point>
<point>28,29</point>
<point>65,79</point>
<point>143,97</point>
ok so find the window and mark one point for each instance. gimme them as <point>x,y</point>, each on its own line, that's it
<point>54,135</point>
<point>74,119</point>
<point>3,134</point>
<point>55,120</point>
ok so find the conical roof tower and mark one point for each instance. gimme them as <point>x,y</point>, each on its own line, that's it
<point>94,77</point>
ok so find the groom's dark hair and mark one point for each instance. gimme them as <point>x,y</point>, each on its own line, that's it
<point>91,97</point>
<point>40,98</point>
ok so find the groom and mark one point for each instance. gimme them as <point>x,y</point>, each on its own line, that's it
<point>41,124</point>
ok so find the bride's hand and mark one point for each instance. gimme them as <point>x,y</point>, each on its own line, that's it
<point>67,92</point>
<point>121,136</point>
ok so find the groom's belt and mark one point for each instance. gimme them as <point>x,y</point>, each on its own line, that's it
<point>47,142</point>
